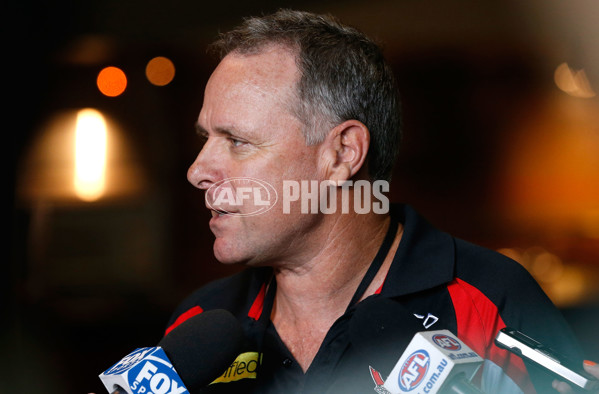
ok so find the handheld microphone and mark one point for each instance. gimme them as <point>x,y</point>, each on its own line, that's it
<point>382,329</point>
<point>190,357</point>
<point>435,362</point>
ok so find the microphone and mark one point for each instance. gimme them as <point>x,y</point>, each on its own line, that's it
<point>430,361</point>
<point>435,362</point>
<point>191,356</point>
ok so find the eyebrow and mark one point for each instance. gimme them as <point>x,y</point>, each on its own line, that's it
<point>200,130</point>
<point>219,130</point>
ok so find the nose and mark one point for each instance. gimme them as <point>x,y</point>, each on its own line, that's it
<point>202,173</point>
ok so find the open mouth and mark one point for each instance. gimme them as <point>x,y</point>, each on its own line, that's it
<point>240,196</point>
<point>218,212</point>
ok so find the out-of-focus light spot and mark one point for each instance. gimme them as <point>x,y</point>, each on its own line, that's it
<point>550,167</point>
<point>160,71</point>
<point>590,224</point>
<point>90,154</point>
<point>513,254</point>
<point>573,82</point>
<point>565,283</point>
<point>88,50</point>
<point>46,170</point>
<point>571,287</point>
<point>112,81</point>
<point>546,267</point>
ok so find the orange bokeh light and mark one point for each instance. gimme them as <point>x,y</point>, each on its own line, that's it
<point>112,81</point>
<point>160,71</point>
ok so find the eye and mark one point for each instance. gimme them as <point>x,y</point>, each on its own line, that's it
<point>235,142</point>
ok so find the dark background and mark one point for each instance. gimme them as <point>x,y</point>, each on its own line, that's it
<point>493,152</point>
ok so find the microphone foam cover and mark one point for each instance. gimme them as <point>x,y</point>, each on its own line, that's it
<point>202,347</point>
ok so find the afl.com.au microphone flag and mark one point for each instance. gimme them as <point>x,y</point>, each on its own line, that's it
<point>434,362</point>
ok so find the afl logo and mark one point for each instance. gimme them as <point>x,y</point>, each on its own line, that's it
<point>241,196</point>
<point>413,370</point>
<point>446,342</point>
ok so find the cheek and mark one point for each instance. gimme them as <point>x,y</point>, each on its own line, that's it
<point>300,165</point>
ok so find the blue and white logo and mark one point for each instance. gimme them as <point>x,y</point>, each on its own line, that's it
<point>413,370</point>
<point>144,371</point>
<point>155,375</point>
<point>129,361</point>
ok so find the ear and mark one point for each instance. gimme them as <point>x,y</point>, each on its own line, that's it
<point>344,150</point>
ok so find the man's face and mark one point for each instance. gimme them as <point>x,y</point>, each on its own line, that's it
<point>251,132</point>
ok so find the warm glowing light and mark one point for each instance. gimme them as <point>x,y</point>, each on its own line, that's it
<point>590,224</point>
<point>572,287</point>
<point>160,71</point>
<point>546,267</point>
<point>112,81</point>
<point>90,155</point>
<point>513,254</point>
<point>566,283</point>
<point>550,169</point>
<point>573,82</point>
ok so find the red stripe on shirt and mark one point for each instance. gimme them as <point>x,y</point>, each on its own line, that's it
<point>196,310</point>
<point>378,291</point>
<point>478,323</point>
<point>256,308</point>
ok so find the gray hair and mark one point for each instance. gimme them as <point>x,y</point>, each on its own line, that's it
<point>343,76</point>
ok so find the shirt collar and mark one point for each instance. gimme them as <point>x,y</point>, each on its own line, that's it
<point>425,257</point>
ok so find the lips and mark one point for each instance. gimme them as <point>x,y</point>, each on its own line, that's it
<point>217,221</point>
<point>218,210</point>
<point>218,213</point>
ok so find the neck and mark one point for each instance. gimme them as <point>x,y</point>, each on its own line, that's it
<point>312,296</point>
<point>323,285</point>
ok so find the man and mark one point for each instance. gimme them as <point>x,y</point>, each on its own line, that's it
<point>329,300</point>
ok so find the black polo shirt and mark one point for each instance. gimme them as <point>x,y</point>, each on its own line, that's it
<point>435,282</point>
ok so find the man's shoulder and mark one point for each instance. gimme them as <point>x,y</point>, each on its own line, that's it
<point>492,272</point>
<point>232,293</point>
<point>518,297</point>
<point>474,259</point>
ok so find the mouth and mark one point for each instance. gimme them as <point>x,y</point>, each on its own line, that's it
<point>218,213</point>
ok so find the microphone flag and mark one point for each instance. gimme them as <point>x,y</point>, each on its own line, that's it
<point>144,371</point>
<point>431,359</point>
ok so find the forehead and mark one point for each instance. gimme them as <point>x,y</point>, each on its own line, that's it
<point>269,75</point>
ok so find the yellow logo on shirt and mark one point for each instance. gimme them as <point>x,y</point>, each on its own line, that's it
<point>244,367</point>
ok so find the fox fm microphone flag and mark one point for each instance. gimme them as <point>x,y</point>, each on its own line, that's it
<point>434,361</point>
<point>190,357</point>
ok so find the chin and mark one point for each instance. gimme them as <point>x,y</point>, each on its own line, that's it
<point>226,258</point>
<point>234,257</point>
<point>227,254</point>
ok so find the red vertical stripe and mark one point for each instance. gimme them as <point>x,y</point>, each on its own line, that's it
<point>256,308</point>
<point>196,310</point>
<point>478,323</point>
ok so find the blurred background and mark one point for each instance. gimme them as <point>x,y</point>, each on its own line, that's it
<point>501,147</point>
